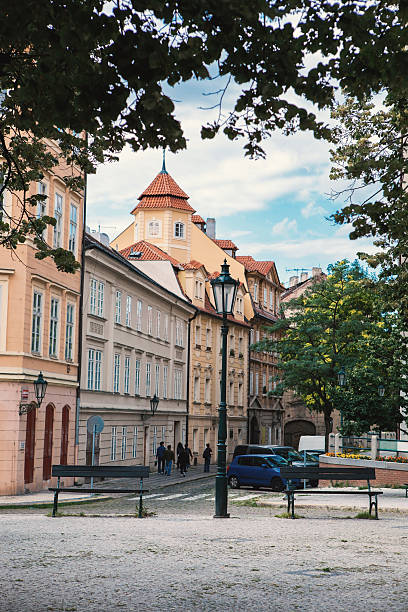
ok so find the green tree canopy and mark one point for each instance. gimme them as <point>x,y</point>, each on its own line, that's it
<point>70,67</point>
<point>339,323</point>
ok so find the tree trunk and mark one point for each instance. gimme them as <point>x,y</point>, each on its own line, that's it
<point>328,426</point>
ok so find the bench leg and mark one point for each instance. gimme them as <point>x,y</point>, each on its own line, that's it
<point>55,506</point>
<point>374,504</point>
<point>293,505</point>
<point>140,515</point>
<point>288,498</point>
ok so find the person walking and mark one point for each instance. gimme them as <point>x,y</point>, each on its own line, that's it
<point>169,458</point>
<point>207,457</point>
<point>189,455</point>
<point>183,459</point>
<point>178,450</point>
<point>160,458</point>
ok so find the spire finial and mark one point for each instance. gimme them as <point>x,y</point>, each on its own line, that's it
<point>163,170</point>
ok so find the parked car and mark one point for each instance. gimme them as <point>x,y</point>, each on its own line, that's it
<point>258,471</point>
<point>315,444</point>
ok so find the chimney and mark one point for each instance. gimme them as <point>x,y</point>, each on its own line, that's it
<point>303,277</point>
<point>293,281</point>
<point>316,272</point>
<point>211,227</point>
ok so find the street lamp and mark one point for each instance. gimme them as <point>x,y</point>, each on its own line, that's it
<point>341,377</point>
<point>381,390</point>
<point>225,290</point>
<point>154,402</point>
<point>40,387</point>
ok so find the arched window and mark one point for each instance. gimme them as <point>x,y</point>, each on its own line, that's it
<point>64,436</point>
<point>154,228</point>
<point>179,230</point>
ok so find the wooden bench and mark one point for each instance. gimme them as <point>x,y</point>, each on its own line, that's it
<point>99,471</point>
<point>330,473</point>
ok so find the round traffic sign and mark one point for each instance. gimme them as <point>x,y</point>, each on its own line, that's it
<point>95,424</point>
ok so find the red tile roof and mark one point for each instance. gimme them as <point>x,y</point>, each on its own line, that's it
<point>197,219</point>
<point>163,192</point>
<point>193,265</point>
<point>251,265</point>
<point>150,252</point>
<point>226,244</point>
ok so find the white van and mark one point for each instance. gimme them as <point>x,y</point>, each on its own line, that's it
<point>311,443</point>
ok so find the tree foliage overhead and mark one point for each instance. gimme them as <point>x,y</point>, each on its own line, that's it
<point>340,323</point>
<point>70,67</point>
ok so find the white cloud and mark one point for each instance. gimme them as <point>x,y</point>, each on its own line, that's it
<point>285,226</point>
<point>311,209</point>
<point>240,233</point>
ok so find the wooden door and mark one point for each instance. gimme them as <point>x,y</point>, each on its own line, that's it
<point>29,447</point>
<point>64,435</point>
<point>48,431</point>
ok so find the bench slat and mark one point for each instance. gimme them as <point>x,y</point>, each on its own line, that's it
<point>102,471</point>
<point>324,492</point>
<point>82,490</point>
<point>328,473</point>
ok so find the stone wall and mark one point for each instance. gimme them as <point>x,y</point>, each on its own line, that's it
<point>386,472</point>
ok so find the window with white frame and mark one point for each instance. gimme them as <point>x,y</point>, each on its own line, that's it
<point>255,292</point>
<point>251,336</point>
<point>166,327</point>
<point>73,223</point>
<point>158,318</point>
<point>134,442</point>
<point>271,300</point>
<point>256,383</point>
<point>239,305</point>
<point>240,345</point>
<point>163,434</point>
<point>124,443</point>
<point>264,384</point>
<point>154,445</point>
<point>196,388</point>
<point>270,384</point>
<point>148,379</point>
<point>96,295</point>
<point>207,390</point>
<point>116,372</point>
<point>240,393</point>
<point>113,443</point>
<point>199,289</point>
<point>69,332</point>
<point>139,315</point>
<point>36,329</point>
<point>58,220</point>
<point>195,440</point>
<point>179,229</point>
<point>154,228</point>
<point>179,332</point>
<point>251,383</point>
<point>99,305</point>
<point>126,375</point>
<point>118,307</point>
<point>42,205</point>
<point>178,377</point>
<point>277,302</point>
<point>198,335</point>
<point>157,380</point>
<point>128,310</point>
<point>149,320</point>
<point>265,296</point>
<point>208,337</point>
<point>257,335</point>
<point>231,393</point>
<point>137,377</point>
<point>165,380</point>
<point>54,318</point>
<point>94,370</point>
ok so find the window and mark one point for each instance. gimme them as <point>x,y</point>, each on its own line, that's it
<point>251,337</point>
<point>69,332</point>
<point>42,205</point>
<point>58,219</point>
<point>154,445</point>
<point>255,292</point>
<point>205,437</point>
<point>265,295</point>
<point>199,290</point>
<point>96,297</point>
<point>207,391</point>
<point>99,306</point>
<point>208,338</point>
<point>198,335</point>
<point>128,310</point>
<point>179,230</point>
<point>157,380</point>
<point>37,322</point>
<point>240,398</point>
<point>154,228</point>
<point>116,372</point>
<point>137,377</point>
<point>134,443</point>
<point>127,375</point>
<point>53,347</point>
<point>177,384</point>
<point>270,384</point>
<point>148,378</point>
<point>118,306</point>
<point>264,384</point>
<point>158,317</point>
<point>195,440</point>
<point>240,345</point>
<point>256,383</point>
<point>251,383</point>
<point>231,393</point>
<point>139,315</point>
<point>257,335</point>
<point>271,300</point>
<point>239,305</point>
<point>196,389</point>
<point>163,434</point>
<point>73,215</point>
<point>124,441</point>
<point>94,369</point>
<point>231,434</point>
<point>165,380</point>
<point>179,332</point>
<point>166,327</point>
<point>149,320</point>
<point>113,443</point>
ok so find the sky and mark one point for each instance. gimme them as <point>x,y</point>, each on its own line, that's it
<point>275,208</point>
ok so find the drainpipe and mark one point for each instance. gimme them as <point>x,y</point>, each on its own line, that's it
<point>248,385</point>
<point>188,372</point>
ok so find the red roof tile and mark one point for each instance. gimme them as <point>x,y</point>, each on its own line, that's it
<point>164,184</point>
<point>163,201</point>
<point>197,219</point>
<point>150,252</point>
<point>263,267</point>
<point>226,244</point>
<point>193,265</point>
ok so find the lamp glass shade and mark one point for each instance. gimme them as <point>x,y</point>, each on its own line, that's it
<point>341,376</point>
<point>40,387</point>
<point>381,390</point>
<point>225,291</point>
<point>154,402</point>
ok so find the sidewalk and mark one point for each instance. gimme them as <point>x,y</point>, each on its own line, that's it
<point>154,482</point>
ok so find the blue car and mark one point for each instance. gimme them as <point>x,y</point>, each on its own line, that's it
<point>258,471</point>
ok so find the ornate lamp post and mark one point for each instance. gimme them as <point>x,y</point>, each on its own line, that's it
<point>341,377</point>
<point>40,387</point>
<point>225,290</point>
<point>381,390</point>
<point>154,402</point>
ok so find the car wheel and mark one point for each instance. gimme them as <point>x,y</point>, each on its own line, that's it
<point>277,484</point>
<point>233,482</point>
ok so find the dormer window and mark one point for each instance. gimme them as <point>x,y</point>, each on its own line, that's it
<point>154,228</point>
<point>179,230</point>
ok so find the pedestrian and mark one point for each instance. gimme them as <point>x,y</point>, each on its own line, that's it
<point>169,458</point>
<point>207,457</point>
<point>183,459</point>
<point>178,450</point>
<point>189,454</point>
<point>160,458</point>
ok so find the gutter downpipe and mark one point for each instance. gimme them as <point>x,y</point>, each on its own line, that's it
<point>188,372</point>
<point>248,381</point>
